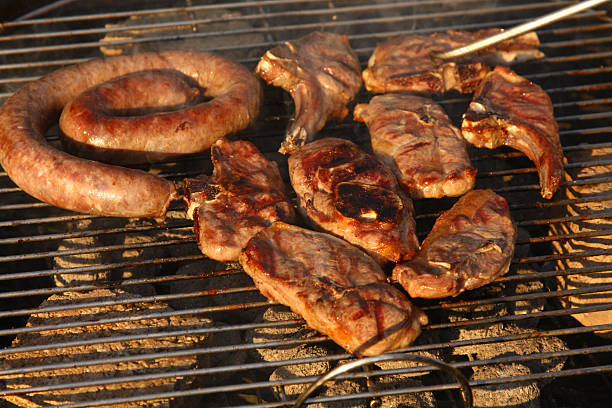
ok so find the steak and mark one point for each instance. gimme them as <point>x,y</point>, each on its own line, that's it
<point>405,64</point>
<point>244,195</point>
<point>469,246</point>
<point>415,138</point>
<point>338,289</point>
<point>322,74</point>
<point>510,110</point>
<point>351,194</point>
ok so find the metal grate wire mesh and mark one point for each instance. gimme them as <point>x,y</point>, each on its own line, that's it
<point>128,312</point>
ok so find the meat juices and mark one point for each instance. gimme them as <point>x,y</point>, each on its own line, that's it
<point>322,74</point>
<point>405,64</point>
<point>415,138</point>
<point>469,246</point>
<point>351,194</point>
<point>510,110</point>
<point>77,184</point>
<point>244,195</point>
<point>338,289</point>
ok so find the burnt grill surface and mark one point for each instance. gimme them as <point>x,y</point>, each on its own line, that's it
<point>47,253</point>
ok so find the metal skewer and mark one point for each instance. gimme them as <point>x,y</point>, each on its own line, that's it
<point>518,30</point>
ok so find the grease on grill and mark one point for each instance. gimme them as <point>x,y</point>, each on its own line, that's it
<point>367,203</point>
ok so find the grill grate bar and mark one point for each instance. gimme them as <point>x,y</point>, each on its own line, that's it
<point>532,276</point>
<point>197,21</point>
<point>349,376</point>
<point>305,26</point>
<point>204,310</point>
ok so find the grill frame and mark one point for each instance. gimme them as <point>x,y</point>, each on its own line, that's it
<point>22,254</point>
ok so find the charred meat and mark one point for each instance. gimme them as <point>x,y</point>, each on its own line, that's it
<point>510,110</point>
<point>469,246</point>
<point>244,195</point>
<point>338,289</point>
<point>349,193</point>
<point>415,138</point>
<point>405,64</point>
<point>322,74</point>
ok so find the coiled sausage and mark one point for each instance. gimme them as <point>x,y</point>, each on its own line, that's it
<point>82,185</point>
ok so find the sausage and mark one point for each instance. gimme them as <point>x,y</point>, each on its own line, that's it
<point>113,121</point>
<point>83,185</point>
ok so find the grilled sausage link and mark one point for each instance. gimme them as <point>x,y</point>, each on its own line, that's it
<point>82,185</point>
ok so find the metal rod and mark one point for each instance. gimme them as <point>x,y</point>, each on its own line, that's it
<point>466,390</point>
<point>518,30</point>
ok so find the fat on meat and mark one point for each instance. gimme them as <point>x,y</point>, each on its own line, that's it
<point>322,73</point>
<point>469,246</point>
<point>338,289</point>
<point>404,63</point>
<point>415,138</point>
<point>244,195</point>
<point>351,194</point>
<point>509,110</point>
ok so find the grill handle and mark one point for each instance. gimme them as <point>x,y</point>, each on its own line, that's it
<point>518,30</point>
<point>466,390</point>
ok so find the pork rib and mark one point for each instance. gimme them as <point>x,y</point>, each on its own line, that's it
<point>322,74</point>
<point>469,246</point>
<point>338,289</point>
<point>415,138</point>
<point>404,63</point>
<point>510,110</point>
<point>351,194</point>
<point>244,195</point>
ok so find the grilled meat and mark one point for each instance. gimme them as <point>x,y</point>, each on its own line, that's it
<point>510,110</point>
<point>415,138</point>
<point>469,246</point>
<point>404,63</point>
<point>322,74</point>
<point>244,195</point>
<point>338,289</point>
<point>349,193</point>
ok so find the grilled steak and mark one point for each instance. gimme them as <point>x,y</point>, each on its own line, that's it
<point>349,193</point>
<point>510,110</point>
<point>244,195</point>
<point>322,74</point>
<point>415,138</point>
<point>469,246</point>
<point>338,289</point>
<point>404,63</point>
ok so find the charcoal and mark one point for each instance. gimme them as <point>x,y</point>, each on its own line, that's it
<point>591,217</point>
<point>103,350</point>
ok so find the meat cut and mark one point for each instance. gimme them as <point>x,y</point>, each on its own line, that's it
<point>404,63</point>
<point>469,246</point>
<point>349,193</point>
<point>322,74</point>
<point>244,195</point>
<point>415,138</point>
<point>510,110</point>
<point>338,289</point>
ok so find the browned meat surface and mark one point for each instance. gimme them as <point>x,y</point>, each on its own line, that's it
<point>415,138</point>
<point>349,193</point>
<point>510,110</point>
<point>469,246</point>
<point>404,63</point>
<point>244,195</point>
<point>322,74</point>
<point>338,289</point>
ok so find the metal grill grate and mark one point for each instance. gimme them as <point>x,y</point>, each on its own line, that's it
<point>129,312</point>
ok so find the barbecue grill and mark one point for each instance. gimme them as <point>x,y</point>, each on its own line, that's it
<point>99,311</point>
